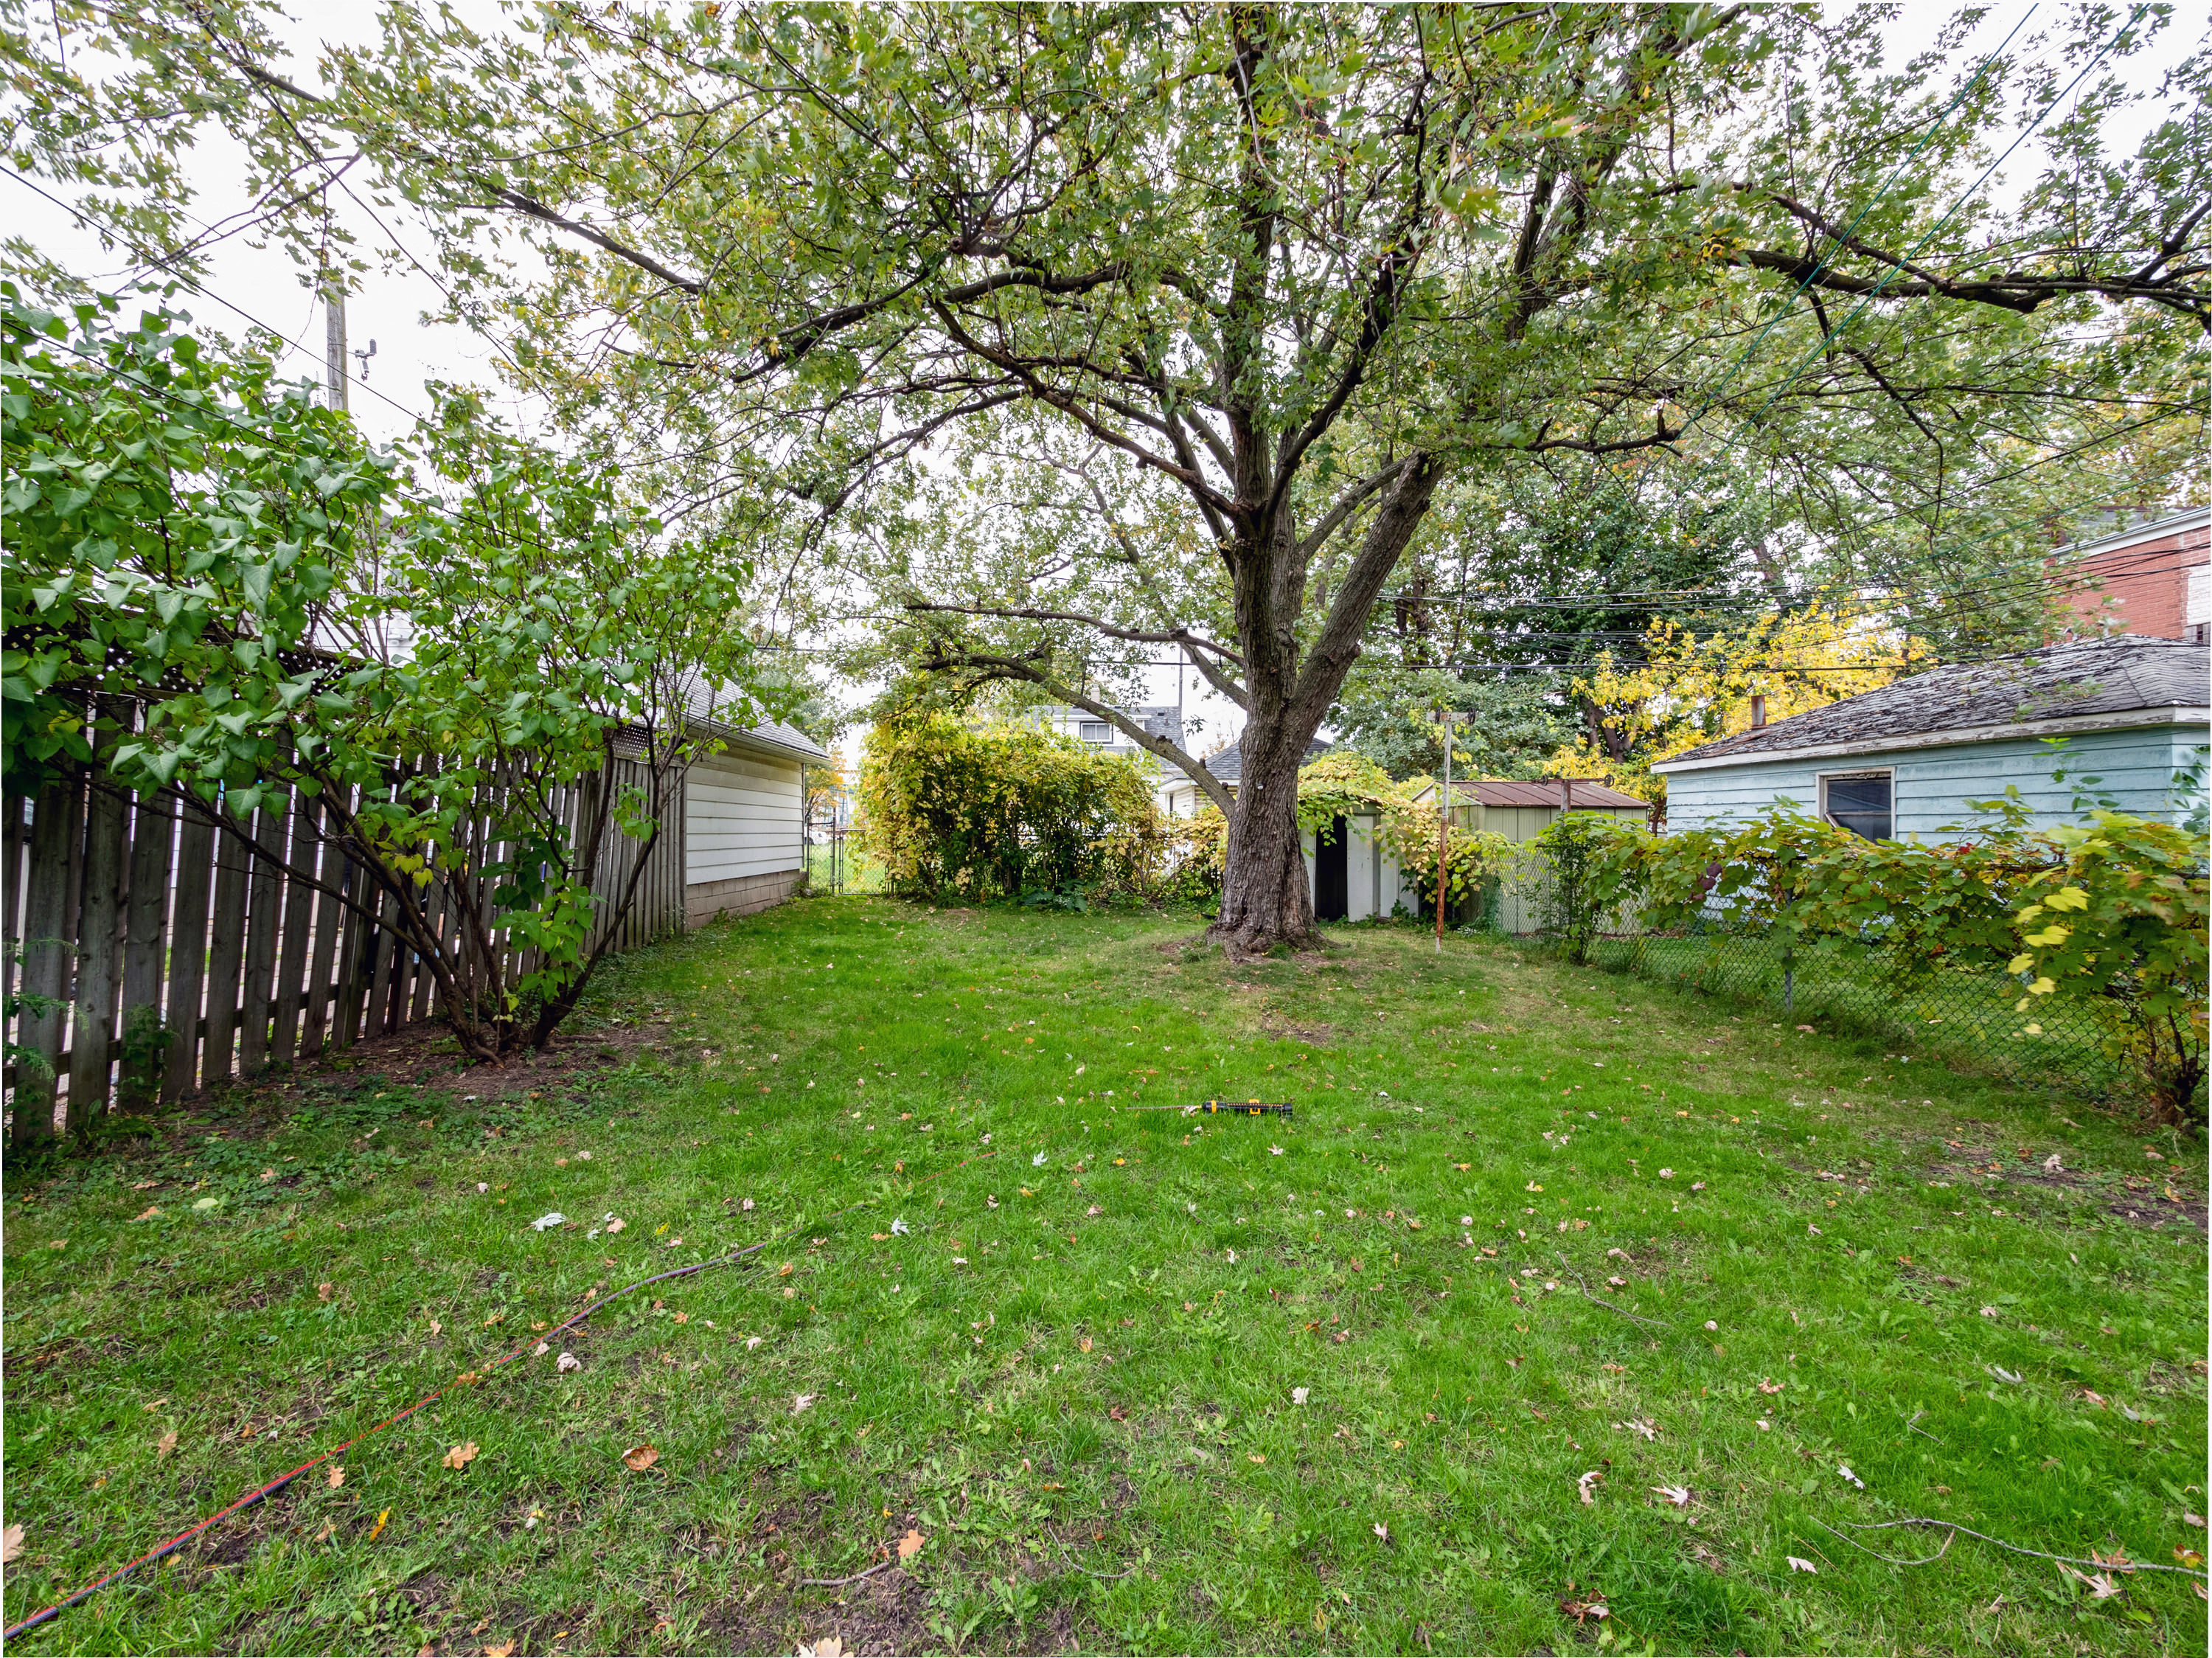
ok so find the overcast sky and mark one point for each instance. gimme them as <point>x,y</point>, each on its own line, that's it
<point>399,298</point>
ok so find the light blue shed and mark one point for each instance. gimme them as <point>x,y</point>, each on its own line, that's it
<point>1905,760</point>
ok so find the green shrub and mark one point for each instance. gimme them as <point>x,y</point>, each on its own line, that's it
<point>1002,811</point>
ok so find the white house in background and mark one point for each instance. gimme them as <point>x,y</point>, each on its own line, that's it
<point>742,846</point>
<point>1108,738</point>
<point>1905,760</point>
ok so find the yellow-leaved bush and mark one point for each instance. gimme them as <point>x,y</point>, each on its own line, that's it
<point>994,811</point>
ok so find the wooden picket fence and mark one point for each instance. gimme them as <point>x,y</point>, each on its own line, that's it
<point>164,955</point>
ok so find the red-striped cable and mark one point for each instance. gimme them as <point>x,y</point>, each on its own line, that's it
<point>282,1480</point>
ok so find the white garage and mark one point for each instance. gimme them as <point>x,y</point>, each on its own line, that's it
<point>743,838</point>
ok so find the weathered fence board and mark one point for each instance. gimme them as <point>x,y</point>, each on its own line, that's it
<point>188,953</point>
<point>170,956</point>
<point>45,960</point>
<point>153,836</point>
<point>226,955</point>
<point>264,898</point>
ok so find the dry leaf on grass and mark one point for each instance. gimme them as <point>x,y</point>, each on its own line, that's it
<point>323,1291</point>
<point>2099,1584</point>
<point>910,1544</point>
<point>1587,1485</point>
<point>167,1443</point>
<point>11,1543</point>
<point>334,1476</point>
<point>639,1457</point>
<point>1677,1494</point>
<point>1796,1564</point>
<point>1084,1344</point>
<point>460,1456</point>
<point>828,1646</point>
<point>504,1649</point>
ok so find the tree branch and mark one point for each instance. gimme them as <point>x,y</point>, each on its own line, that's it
<point>1014,668</point>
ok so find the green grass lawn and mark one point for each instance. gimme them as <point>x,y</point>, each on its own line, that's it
<point>1131,1381</point>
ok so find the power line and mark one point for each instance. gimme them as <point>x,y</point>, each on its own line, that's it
<point>205,292</point>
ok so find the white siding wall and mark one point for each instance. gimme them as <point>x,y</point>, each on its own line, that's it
<point>740,817</point>
<point>1933,785</point>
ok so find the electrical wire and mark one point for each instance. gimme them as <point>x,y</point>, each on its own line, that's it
<point>283,1480</point>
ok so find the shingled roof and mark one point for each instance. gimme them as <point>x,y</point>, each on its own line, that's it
<point>2100,679</point>
<point>1228,765</point>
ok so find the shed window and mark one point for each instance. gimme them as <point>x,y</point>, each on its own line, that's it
<point>1859,801</point>
<point>1095,730</point>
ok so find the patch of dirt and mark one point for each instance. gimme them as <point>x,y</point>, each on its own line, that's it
<point>2155,1209</point>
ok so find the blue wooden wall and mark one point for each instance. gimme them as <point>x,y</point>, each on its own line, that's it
<point>1933,784</point>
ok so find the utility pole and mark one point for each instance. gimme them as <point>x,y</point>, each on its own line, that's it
<point>334,341</point>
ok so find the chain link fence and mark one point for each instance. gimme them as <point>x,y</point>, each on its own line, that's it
<point>1963,1014</point>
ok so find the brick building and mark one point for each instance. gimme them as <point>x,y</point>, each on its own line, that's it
<point>2157,576</point>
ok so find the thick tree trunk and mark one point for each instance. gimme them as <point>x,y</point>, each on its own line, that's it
<point>1266,898</point>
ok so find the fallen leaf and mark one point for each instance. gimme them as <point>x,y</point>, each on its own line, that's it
<point>1299,1395</point>
<point>324,1292</point>
<point>1083,1345</point>
<point>504,1649</point>
<point>683,1318</point>
<point>1586,1485</point>
<point>377,1530</point>
<point>567,1362</point>
<point>1115,1412</point>
<point>2099,1584</point>
<point>336,1476</point>
<point>436,1328</point>
<point>1796,1564</point>
<point>910,1544</point>
<point>802,1401</point>
<point>1677,1494</point>
<point>2189,1558</point>
<point>152,1213</point>
<point>11,1543</point>
<point>167,1443</point>
<point>616,1224</point>
<point>639,1457</point>
<point>1846,1473</point>
<point>460,1456</point>
<point>1770,1386</point>
<point>1382,1530</point>
<point>828,1646</point>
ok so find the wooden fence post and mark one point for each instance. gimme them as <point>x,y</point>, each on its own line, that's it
<point>92,1024</point>
<point>226,955</point>
<point>301,899</point>
<point>145,1042</point>
<point>266,890</point>
<point>45,894</point>
<point>188,952</point>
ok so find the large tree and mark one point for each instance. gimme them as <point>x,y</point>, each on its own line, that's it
<point>1229,294</point>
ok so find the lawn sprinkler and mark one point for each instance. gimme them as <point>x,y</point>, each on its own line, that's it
<point>1225,1107</point>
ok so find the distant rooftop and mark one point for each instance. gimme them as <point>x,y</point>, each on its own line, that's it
<point>1583,795</point>
<point>1229,763</point>
<point>2115,677</point>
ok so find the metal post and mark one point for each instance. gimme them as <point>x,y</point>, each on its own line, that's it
<point>1445,715</point>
